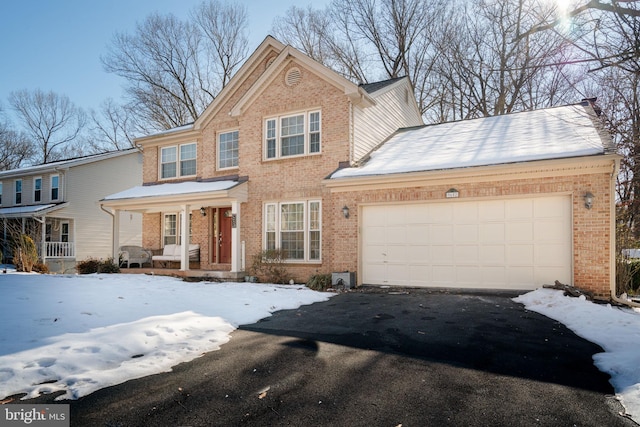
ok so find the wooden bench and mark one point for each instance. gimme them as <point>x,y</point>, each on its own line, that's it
<point>171,254</point>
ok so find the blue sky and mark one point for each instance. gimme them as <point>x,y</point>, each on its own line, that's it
<point>56,45</point>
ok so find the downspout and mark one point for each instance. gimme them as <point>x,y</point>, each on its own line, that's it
<point>614,297</point>
<point>113,231</point>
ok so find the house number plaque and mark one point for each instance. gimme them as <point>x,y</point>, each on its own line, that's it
<point>451,193</point>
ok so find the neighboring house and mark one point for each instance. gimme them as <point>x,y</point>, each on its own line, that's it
<point>291,155</point>
<point>57,204</point>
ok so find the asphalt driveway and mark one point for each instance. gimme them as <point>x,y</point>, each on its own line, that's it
<point>378,357</point>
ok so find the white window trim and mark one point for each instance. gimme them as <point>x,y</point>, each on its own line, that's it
<point>278,137</point>
<point>306,228</point>
<point>51,187</point>
<point>177,162</point>
<point>218,150</point>
<point>35,178</point>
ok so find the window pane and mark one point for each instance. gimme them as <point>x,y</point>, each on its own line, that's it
<point>292,131</point>
<point>55,180</point>
<point>271,139</point>
<point>314,245</point>
<point>37,189</point>
<point>170,229</point>
<point>187,167</point>
<point>292,217</point>
<point>228,150</point>
<point>168,159</point>
<point>169,170</point>
<point>314,132</point>
<point>293,244</point>
<point>292,146</point>
<point>187,159</point>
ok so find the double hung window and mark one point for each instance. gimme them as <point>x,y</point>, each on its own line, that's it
<point>228,150</point>
<point>293,135</point>
<point>178,161</point>
<point>37,189</point>
<point>172,234</point>
<point>294,227</point>
<point>18,192</point>
<point>55,187</point>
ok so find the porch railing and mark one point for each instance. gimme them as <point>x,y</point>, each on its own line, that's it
<point>59,250</point>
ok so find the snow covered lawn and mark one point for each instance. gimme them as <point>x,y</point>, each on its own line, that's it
<point>78,334</point>
<point>81,333</point>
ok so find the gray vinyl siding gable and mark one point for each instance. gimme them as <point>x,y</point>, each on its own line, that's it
<point>395,108</point>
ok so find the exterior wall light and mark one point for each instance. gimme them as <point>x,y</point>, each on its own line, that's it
<point>203,211</point>
<point>588,199</point>
<point>345,211</point>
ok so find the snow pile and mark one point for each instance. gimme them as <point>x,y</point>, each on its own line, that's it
<point>79,334</point>
<point>616,330</point>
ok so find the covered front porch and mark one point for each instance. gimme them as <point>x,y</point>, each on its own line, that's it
<point>53,235</point>
<point>180,218</point>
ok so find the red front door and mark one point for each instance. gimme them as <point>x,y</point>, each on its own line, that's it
<point>222,236</point>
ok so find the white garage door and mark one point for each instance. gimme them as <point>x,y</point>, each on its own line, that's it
<point>500,244</point>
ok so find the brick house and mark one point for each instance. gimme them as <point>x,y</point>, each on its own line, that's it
<point>288,156</point>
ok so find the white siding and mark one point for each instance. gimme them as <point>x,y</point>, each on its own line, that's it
<point>395,108</point>
<point>86,184</point>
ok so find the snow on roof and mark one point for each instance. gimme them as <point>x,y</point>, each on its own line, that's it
<point>26,211</point>
<point>75,161</point>
<point>550,133</point>
<point>171,189</point>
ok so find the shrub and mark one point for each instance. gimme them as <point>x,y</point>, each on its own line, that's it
<point>40,268</point>
<point>319,282</point>
<point>269,265</point>
<point>25,254</point>
<point>92,265</point>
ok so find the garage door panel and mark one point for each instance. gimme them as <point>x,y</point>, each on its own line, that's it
<point>492,232</point>
<point>441,254</point>
<point>466,233</point>
<point>519,209</point>
<point>492,211</point>
<point>417,234</point>
<point>441,234</point>
<point>492,255</point>
<point>466,254</point>
<point>520,231</point>
<point>505,243</point>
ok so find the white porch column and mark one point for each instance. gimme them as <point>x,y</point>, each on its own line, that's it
<point>43,238</point>
<point>184,239</point>
<point>116,237</point>
<point>236,249</point>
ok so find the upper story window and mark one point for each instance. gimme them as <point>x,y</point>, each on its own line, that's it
<point>228,150</point>
<point>18,191</point>
<point>178,161</point>
<point>0,193</point>
<point>55,187</point>
<point>37,189</point>
<point>293,135</point>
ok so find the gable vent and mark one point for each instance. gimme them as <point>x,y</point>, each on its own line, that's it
<point>293,77</point>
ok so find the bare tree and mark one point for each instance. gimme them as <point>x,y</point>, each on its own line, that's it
<point>225,41</point>
<point>50,120</point>
<point>112,127</point>
<point>15,148</point>
<point>169,64</point>
<point>489,71</point>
